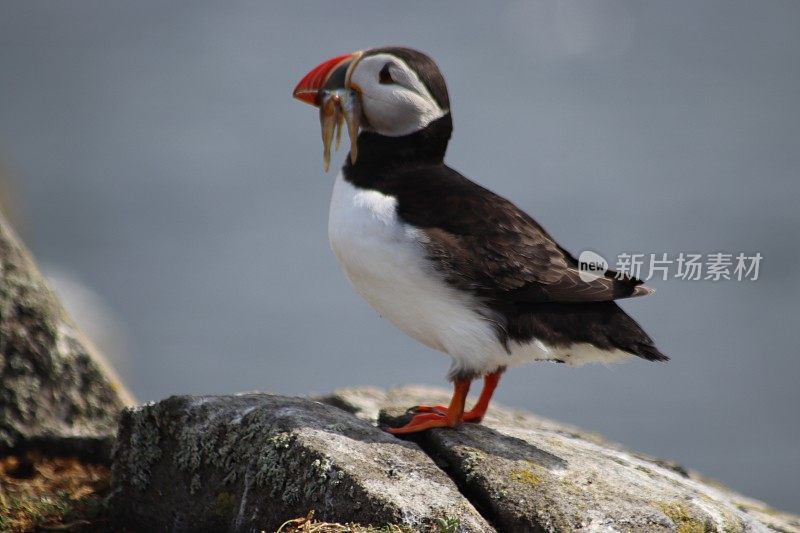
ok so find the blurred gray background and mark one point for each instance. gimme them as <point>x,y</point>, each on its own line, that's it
<point>164,177</point>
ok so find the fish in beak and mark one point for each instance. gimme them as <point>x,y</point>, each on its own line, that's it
<point>328,87</point>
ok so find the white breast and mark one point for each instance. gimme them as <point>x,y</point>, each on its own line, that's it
<point>384,260</point>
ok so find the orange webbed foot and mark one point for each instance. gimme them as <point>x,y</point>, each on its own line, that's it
<point>473,416</point>
<point>424,421</point>
<point>441,409</point>
<point>438,416</point>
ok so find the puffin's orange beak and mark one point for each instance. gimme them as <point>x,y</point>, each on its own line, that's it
<point>331,74</point>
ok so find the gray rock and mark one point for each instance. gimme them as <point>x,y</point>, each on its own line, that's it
<point>56,393</point>
<point>251,462</point>
<point>527,473</point>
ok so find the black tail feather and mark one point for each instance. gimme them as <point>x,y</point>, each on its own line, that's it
<point>651,353</point>
<point>602,324</point>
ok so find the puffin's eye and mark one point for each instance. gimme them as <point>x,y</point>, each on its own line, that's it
<point>385,76</point>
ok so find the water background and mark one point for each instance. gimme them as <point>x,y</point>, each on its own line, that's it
<point>158,159</point>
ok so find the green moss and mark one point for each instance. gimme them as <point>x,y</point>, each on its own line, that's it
<point>39,509</point>
<point>447,525</point>
<point>470,464</point>
<point>528,473</point>
<point>526,476</point>
<point>224,504</point>
<point>59,494</point>
<point>683,519</point>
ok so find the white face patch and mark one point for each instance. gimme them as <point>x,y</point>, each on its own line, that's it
<point>397,107</point>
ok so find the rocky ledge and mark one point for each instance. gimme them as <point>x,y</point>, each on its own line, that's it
<point>251,462</point>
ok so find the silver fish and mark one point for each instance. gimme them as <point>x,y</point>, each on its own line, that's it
<point>339,124</point>
<point>329,111</point>
<point>338,107</point>
<point>350,104</point>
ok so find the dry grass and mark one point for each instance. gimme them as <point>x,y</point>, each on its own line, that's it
<point>63,494</point>
<point>51,494</point>
<point>307,524</point>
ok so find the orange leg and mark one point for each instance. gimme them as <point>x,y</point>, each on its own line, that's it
<point>452,417</point>
<point>477,413</point>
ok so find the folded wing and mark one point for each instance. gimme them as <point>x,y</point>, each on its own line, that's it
<point>484,243</point>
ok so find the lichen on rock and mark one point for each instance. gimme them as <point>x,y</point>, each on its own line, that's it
<point>253,462</point>
<point>185,460</point>
<point>56,392</point>
<point>531,474</point>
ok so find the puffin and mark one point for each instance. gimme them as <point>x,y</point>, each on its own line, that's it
<point>455,266</point>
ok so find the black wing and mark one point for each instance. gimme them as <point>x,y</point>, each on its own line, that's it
<point>484,243</point>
